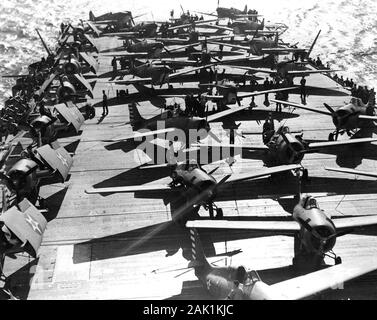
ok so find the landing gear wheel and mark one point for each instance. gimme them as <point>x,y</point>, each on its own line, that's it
<point>331,137</point>
<point>338,260</point>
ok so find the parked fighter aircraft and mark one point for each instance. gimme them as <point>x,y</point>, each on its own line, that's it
<point>285,148</point>
<point>23,178</point>
<point>227,93</point>
<point>170,121</point>
<point>313,230</point>
<point>200,187</point>
<point>155,74</point>
<point>255,46</point>
<point>123,19</point>
<point>22,227</point>
<point>220,281</point>
<point>232,13</point>
<point>347,119</point>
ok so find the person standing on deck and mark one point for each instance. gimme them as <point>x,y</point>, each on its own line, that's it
<point>105,108</point>
<point>303,90</point>
<point>115,67</point>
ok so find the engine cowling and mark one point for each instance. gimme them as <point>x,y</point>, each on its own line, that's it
<point>72,67</point>
<point>65,91</point>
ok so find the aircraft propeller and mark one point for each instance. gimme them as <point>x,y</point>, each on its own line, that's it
<point>322,240</point>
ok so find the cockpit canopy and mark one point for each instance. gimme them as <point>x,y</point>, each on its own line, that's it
<point>311,203</point>
<point>190,165</point>
<point>357,102</point>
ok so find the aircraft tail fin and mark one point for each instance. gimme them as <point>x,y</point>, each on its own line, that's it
<point>91,16</point>
<point>313,44</point>
<point>262,25</point>
<point>197,253</point>
<point>135,118</point>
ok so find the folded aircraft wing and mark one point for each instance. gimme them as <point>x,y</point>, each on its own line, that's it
<point>317,145</point>
<point>90,39</point>
<point>58,159</point>
<point>145,187</point>
<point>332,277</point>
<point>89,59</point>
<point>46,83</point>
<point>94,28</point>
<point>85,83</point>
<point>146,133</point>
<point>71,114</point>
<point>28,225</point>
<point>352,171</point>
<point>301,106</point>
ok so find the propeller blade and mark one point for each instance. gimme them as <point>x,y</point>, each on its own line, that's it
<point>329,108</point>
<point>213,136</point>
<point>238,101</point>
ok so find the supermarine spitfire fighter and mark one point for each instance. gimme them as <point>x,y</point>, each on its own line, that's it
<point>347,119</point>
<point>200,187</point>
<point>220,281</point>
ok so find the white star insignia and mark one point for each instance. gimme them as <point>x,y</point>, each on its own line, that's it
<point>34,224</point>
<point>62,159</point>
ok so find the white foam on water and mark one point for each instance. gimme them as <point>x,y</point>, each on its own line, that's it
<point>348,39</point>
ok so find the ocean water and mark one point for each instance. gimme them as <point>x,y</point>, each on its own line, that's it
<point>348,39</point>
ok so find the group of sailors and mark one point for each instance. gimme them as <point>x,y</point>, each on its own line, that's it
<point>195,106</point>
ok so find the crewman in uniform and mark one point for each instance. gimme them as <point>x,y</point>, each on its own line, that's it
<point>114,65</point>
<point>303,90</point>
<point>105,108</point>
